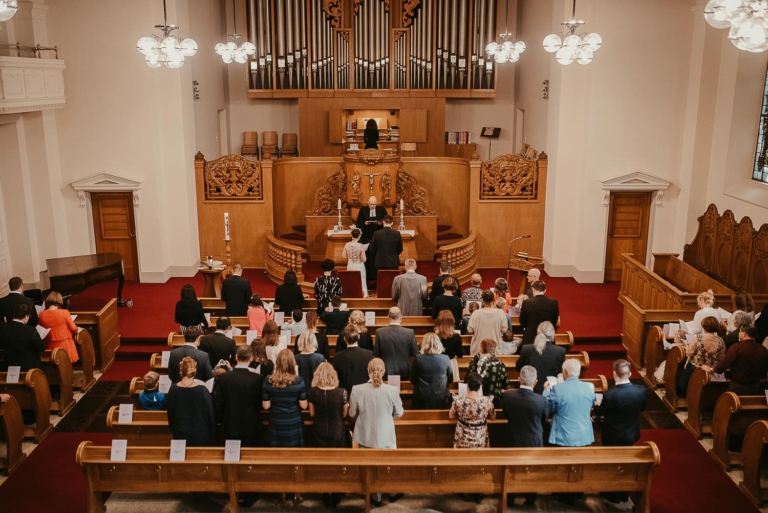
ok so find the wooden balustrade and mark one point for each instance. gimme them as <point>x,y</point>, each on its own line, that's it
<point>283,257</point>
<point>462,256</point>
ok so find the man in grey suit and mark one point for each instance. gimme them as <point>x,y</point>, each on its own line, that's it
<point>410,290</point>
<point>191,341</point>
<point>396,345</point>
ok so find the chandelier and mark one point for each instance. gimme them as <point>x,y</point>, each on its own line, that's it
<point>7,9</point>
<point>168,50</point>
<point>503,50</point>
<point>573,47</point>
<point>230,52</point>
<point>746,19</point>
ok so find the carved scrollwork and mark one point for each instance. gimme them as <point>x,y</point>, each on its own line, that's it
<point>354,184</point>
<point>511,177</point>
<point>371,157</point>
<point>327,197</point>
<point>356,5</point>
<point>709,220</point>
<point>413,195</point>
<point>332,9</point>
<point>233,177</point>
<point>409,11</point>
<point>744,234</point>
<point>386,188</point>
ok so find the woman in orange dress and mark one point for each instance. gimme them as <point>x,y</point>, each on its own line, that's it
<point>58,320</point>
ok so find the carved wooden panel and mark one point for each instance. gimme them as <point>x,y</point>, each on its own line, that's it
<point>758,276</point>
<point>742,252</point>
<point>328,196</point>
<point>724,247</point>
<point>233,177</point>
<point>414,196</point>
<point>509,177</point>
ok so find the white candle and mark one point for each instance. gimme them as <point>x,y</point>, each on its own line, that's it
<point>401,204</point>
<point>226,226</point>
<point>339,203</point>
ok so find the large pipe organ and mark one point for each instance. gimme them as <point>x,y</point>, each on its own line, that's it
<point>431,47</point>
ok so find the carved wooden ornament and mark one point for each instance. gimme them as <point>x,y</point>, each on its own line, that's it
<point>233,177</point>
<point>371,156</point>
<point>332,9</point>
<point>327,197</point>
<point>409,11</point>
<point>414,196</point>
<point>510,177</point>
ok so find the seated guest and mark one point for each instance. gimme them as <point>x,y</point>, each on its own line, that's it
<point>189,349</point>
<point>737,320</point>
<point>258,314</point>
<point>284,395</point>
<point>742,302</point>
<point>190,408</point>
<point>236,292</point>
<point>431,373</point>
<point>260,361</point>
<point>295,323</point>
<point>352,363</point>
<point>219,345</point>
<point>21,342</point>
<point>536,310</point>
<point>488,322</point>
<point>706,348</point>
<point>288,296</point>
<point>334,317</point>
<point>437,285</point>
<point>357,319</point>
<point>448,301</point>
<point>473,292</point>
<point>272,341</point>
<point>409,290</point>
<point>473,306</point>
<point>501,291</point>
<point>189,310</point>
<point>472,412</point>
<point>322,338</point>
<point>543,355</point>
<point>396,345</point>
<point>151,398</point>
<point>705,301</point>
<point>16,297</point>
<point>326,286</point>
<point>747,361</point>
<point>493,372</point>
<point>762,325</point>
<point>451,341</point>
<point>60,322</point>
<point>533,276</point>
<point>375,404</point>
<point>308,358</point>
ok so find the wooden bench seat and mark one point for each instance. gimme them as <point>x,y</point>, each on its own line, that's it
<point>58,371</point>
<point>754,458</point>
<point>300,470</point>
<point>32,393</point>
<point>673,370</point>
<point>12,432</point>
<point>732,416</point>
<point>104,331</point>
<point>84,379</point>
<point>654,355</point>
<point>380,305</point>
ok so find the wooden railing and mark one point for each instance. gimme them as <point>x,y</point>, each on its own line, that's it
<point>282,257</point>
<point>462,256</point>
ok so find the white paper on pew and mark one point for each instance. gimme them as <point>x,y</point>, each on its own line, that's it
<point>552,380</point>
<point>125,415</point>
<point>668,345</point>
<point>463,389</point>
<point>689,337</point>
<point>560,378</point>
<point>370,318</point>
<point>235,331</point>
<point>42,331</point>
<point>343,307</point>
<point>208,317</point>
<point>455,369</point>
<point>766,396</point>
<point>250,336</point>
<point>458,332</point>
<point>280,318</point>
<point>394,381</point>
<point>74,317</point>
<point>13,374</point>
<point>178,450</point>
<point>269,306</point>
<point>232,450</point>
<point>598,399</point>
<point>165,384</point>
<point>39,309</point>
<point>119,450</point>
<point>724,314</point>
<point>683,325</point>
<point>166,355</point>
<point>717,376</point>
<point>284,340</point>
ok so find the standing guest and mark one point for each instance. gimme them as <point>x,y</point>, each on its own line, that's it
<point>236,292</point>
<point>526,414</point>
<point>189,310</point>
<point>437,284</point>
<point>354,252</point>
<point>219,345</point>
<point>15,297</point>
<point>357,319</point>
<point>737,320</point>
<point>621,407</point>
<point>308,359</point>
<point>474,292</point>
<point>742,302</point>
<point>536,310</point>
<point>284,395</point>
<point>60,322</point>
<point>328,407</point>
<point>451,341</point>
<point>190,349</point>
<point>706,348</point>
<point>352,363</point>
<point>493,372</point>
<point>747,361</point>
<point>322,339</point>
<point>431,373</point>
<point>386,246</point>
<point>396,345</point>
<point>258,314</point>
<point>409,290</point>
<point>151,398</point>
<point>472,412</point>
<point>288,296</point>
<point>21,343</point>
<point>543,355</point>
<point>375,405</point>
<point>272,341</point>
<point>334,317</point>
<point>190,408</point>
<point>295,323</point>
<point>762,325</point>
<point>371,135</point>
<point>326,286</point>
<point>472,307</point>
<point>705,301</point>
<point>501,291</point>
<point>448,301</point>
<point>261,363</point>
<point>488,322</point>
<point>500,303</point>
<point>533,276</point>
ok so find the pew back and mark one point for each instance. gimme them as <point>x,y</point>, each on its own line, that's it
<point>32,393</point>
<point>104,331</point>
<point>672,371</point>
<point>732,416</point>
<point>12,432</point>
<point>754,457</point>
<point>654,355</point>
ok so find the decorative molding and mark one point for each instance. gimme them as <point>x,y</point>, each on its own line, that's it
<point>638,182</point>
<point>327,197</point>
<point>28,85</point>
<point>332,9</point>
<point>414,196</point>
<point>233,177</point>
<point>356,5</point>
<point>509,177</point>
<point>409,11</point>
<point>371,157</point>
<point>105,182</point>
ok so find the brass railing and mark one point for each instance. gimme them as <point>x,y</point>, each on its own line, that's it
<point>35,49</point>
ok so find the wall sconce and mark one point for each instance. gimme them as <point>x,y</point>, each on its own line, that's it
<point>196,89</point>
<point>545,91</point>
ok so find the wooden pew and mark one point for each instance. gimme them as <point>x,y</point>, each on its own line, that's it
<point>672,372</point>
<point>754,459</point>
<point>32,393</point>
<point>86,363</point>
<point>654,355</point>
<point>58,371</point>
<point>12,431</point>
<point>732,416</point>
<point>300,470</point>
<point>511,360</point>
<point>701,398</point>
<point>104,331</point>
<point>380,305</point>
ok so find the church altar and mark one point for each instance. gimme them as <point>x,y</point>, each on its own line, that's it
<point>338,239</point>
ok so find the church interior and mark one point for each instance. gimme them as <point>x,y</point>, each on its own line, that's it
<point>613,151</point>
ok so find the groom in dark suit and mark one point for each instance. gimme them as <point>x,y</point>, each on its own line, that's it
<point>386,246</point>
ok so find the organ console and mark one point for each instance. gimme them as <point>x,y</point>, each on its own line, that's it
<point>72,275</point>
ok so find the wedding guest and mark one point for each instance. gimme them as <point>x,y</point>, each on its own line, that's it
<point>190,408</point>
<point>322,339</point>
<point>60,322</point>
<point>151,398</point>
<point>295,323</point>
<point>356,319</point>
<point>15,297</point>
<point>747,361</point>
<point>448,301</point>
<point>488,322</point>
<point>21,343</point>
<point>258,314</point>
<point>352,363</point>
<point>334,317</point>
<point>706,348</point>
<point>308,359</point>
<point>189,310</point>
<point>326,286</point>
<point>260,360</point>
<point>271,337</point>
<point>431,375</point>
<point>284,395</point>
<point>236,292</point>
<point>288,295</point>
<point>437,285</point>
<point>491,370</point>
<point>473,412</point>
<point>474,292</point>
<point>445,329</point>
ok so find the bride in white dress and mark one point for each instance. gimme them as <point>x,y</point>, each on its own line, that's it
<point>354,252</point>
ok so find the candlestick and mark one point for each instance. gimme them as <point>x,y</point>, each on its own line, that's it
<point>228,270</point>
<point>226,226</point>
<point>401,205</point>
<point>339,203</point>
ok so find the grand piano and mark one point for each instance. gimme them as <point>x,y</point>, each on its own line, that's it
<point>72,275</point>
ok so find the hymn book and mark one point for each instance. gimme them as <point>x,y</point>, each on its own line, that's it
<point>280,318</point>
<point>178,450</point>
<point>42,331</point>
<point>119,450</point>
<point>232,451</point>
<point>13,374</point>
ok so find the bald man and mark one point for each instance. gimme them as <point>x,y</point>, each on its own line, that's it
<point>369,219</point>
<point>533,275</point>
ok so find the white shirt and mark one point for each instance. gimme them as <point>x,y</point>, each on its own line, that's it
<point>373,212</point>
<point>622,381</point>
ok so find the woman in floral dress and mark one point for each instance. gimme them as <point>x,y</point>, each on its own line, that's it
<point>472,412</point>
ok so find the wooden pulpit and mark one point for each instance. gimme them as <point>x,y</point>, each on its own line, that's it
<point>371,173</point>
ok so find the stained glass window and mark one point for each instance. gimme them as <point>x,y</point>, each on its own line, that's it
<point>760,172</point>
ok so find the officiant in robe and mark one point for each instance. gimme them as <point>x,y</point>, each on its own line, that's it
<point>369,220</point>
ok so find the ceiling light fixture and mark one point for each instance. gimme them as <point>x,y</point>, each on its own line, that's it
<point>573,47</point>
<point>230,52</point>
<point>503,50</point>
<point>7,9</point>
<point>746,19</point>
<point>167,50</point>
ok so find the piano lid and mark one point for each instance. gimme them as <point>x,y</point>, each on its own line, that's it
<point>76,265</point>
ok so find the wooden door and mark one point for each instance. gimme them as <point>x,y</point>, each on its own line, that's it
<point>115,228</point>
<point>627,230</point>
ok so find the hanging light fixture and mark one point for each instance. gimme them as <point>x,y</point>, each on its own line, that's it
<point>747,21</point>
<point>167,50</point>
<point>503,50</point>
<point>230,52</point>
<point>7,9</point>
<point>573,47</point>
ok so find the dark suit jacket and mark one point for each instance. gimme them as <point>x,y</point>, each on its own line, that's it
<point>535,311</point>
<point>289,298</point>
<point>204,372</point>
<point>548,363</point>
<point>236,292</point>
<point>237,405</point>
<point>219,347</point>
<point>365,215</point>
<point>352,366</point>
<point>621,407</point>
<point>386,246</point>
<point>526,414</point>
<point>335,321</point>
<point>21,346</point>
<point>365,341</point>
<point>9,302</point>
<point>437,286</point>
<point>395,345</point>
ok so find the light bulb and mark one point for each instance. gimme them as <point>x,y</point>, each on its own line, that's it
<point>572,41</point>
<point>514,56</point>
<point>593,41</point>
<point>584,56</point>
<point>169,43</point>
<point>153,59</point>
<point>227,58</point>
<point>240,56</point>
<point>146,45</point>
<point>492,48</point>
<point>188,47</point>
<point>751,34</point>
<point>507,46</point>
<point>501,57</point>
<point>220,48</point>
<point>174,60</point>
<point>565,55</point>
<point>231,46</point>
<point>722,14</point>
<point>552,43</point>
<point>249,47</point>
<point>7,9</point>
<point>520,47</point>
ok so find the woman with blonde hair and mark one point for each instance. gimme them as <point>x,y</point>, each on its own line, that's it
<point>322,339</point>
<point>431,373</point>
<point>190,408</point>
<point>58,320</point>
<point>706,301</point>
<point>356,319</point>
<point>308,359</point>
<point>271,338</point>
<point>285,396</point>
<point>445,328</point>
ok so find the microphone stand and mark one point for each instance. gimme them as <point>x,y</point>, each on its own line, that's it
<point>509,249</point>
